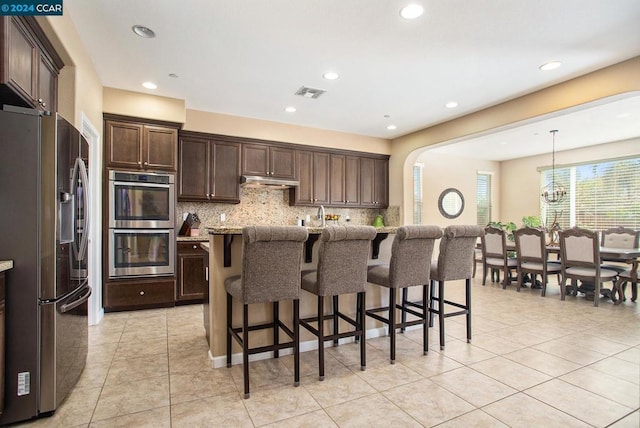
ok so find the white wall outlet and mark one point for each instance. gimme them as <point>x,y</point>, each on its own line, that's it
<point>184,216</point>
<point>223,217</point>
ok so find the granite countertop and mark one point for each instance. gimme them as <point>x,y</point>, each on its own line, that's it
<point>202,238</point>
<point>237,230</point>
<point>6,265</point>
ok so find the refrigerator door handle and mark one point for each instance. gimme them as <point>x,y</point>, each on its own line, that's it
<point>81,169</point>
<point>78,301</point>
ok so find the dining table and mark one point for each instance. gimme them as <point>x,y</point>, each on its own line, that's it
<point>607,254</point>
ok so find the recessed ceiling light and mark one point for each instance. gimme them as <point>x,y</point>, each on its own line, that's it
<point>411,11</point>
<point>290,109</point>
<point>451,104</point>
<point>331,75</point>
<point>623,115</point>
<point>391,127</point>
<point>550,65</point>
<point>503,143</point>
<point>150,85</point>
<point>143,31</point>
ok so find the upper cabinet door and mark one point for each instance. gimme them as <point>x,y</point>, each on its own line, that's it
<point>337,179</point>
<point>159,148</point>
<point>123,148</point>
<point>29,64</point>
<point>352,180</point>
<point>20,56</point>
<point>381,182</point>
<point>282,162</point>
<point>193,169</point>
<point>255,159</point>
<point>320,178</point>
<point>225,172</point>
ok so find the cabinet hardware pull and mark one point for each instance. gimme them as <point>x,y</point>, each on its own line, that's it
<point>195,246</point>
<point>206,273</point>
<point>139,162</point>
<point>146,164</point>
<point>142,293</point>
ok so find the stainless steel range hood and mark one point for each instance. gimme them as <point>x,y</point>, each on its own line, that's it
<point>270,182</point>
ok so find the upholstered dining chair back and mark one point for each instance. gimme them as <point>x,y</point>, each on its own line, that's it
<point>342,259</point>
<point>620,237</point>
<point>579,247</point>
<point>494,243</point>
<point>530,245</point>
<point>411,253</point>
<point>456,253</point>
<point>271,260</point>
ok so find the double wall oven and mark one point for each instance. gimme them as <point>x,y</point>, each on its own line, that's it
<point>141,224</point>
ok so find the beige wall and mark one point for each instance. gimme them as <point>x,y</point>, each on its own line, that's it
<point>148,106</point>
<point>520,184</point>
<point>215,123</point>
<point>79,86</point>
<point>615,80</point>
<point>443,171</point>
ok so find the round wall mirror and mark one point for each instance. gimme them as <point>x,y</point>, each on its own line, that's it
<point>451,203</point>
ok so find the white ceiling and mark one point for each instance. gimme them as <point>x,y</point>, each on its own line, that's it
<point>248,57</point>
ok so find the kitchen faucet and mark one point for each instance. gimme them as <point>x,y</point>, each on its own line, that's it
<point>321,215</point>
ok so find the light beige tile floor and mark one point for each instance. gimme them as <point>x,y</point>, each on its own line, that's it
<point>533,362</point>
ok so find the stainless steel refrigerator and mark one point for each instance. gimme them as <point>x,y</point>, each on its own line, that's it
<point>44,223</point>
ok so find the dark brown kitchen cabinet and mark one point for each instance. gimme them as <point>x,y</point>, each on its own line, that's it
<point>29,64</point>
<point>131,144</point>
<point>268,160</point>
<point>374,182</point>
<point>345,180</point>
<point>313,173</point>
<point>193,272</point>
<point>209,169</point>
<point>139,293</point>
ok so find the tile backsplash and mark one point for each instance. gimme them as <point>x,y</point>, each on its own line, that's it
<point>271,206</point>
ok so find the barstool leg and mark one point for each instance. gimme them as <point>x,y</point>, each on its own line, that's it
<point>276,328</point>
<point>425,324</point>
<point>392,324</point>
<point>468,304</point>
<point>321,337</point>
<point>229,327</point>
<point>335,319</point>
<point>432,290</point>
<point>245,348</point>
<point>296,342</point>
<point>363,329</point>
<point>441,312</point>
<point>405,292</point>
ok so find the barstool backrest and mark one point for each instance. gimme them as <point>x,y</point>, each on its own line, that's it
<point>411,255</point>
<point>456,252</point>
<point>342,259</point>
<point>271,260</point>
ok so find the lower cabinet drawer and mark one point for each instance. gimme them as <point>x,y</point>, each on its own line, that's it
<point>139,294</point>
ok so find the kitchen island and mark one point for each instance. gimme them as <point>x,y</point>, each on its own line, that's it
<point>225,260</point>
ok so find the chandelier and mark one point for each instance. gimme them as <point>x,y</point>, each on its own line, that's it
<point>553,193</point>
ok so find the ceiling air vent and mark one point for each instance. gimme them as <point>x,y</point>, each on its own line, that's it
<point>309,92</point>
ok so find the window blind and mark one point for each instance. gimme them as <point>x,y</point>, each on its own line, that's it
<point>600,195</point>
<point>417,194</point>
<point>483,199</point>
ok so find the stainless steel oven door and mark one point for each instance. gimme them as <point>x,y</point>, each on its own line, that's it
<point>141,200</point>
<point>141,252</point>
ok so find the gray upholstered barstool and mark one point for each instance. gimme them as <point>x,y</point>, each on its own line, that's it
<point>409,266</point>
<point>453,263</point>
<point>271,260</point>
<point>342,269</point>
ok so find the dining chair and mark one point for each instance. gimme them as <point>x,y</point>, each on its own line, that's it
<point>622,237</point>
<point>453,263</point>
<point>409,266</point>
<point>580,261</point>
<point>532,257</point>
<point>342,269</point>
<point>495,255</point>
<point>271,260</point>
